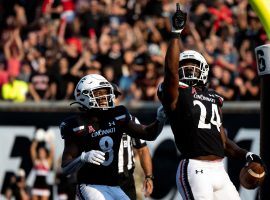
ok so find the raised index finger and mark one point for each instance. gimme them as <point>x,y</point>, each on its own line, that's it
<point>178,7</point>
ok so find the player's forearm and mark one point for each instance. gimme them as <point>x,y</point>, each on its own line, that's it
<point>153,130</point>
<point>71,166</point>
<point>149,132</point>
<point>171,78</point>
<point>172,57</point>
<point>232,150</point>
<point>145,160</point>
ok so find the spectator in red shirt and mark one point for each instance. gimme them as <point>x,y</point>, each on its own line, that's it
<point>14,53</point>
<point>3,74</point>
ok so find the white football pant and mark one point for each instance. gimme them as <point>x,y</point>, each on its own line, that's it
<point>204,180</point>
<point>100,192</point>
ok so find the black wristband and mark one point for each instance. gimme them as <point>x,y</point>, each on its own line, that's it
<point>149,177</point>
<point>175,35</point>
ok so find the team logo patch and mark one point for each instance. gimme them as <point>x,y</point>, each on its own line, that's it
<point>193,90</point>
<point>91,129</point>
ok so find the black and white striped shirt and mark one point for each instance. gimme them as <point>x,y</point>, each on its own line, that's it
<point>126,154</point>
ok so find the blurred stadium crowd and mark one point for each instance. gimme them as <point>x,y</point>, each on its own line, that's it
<point>47,46</point>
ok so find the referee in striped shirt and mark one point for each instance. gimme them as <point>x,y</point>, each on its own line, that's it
<point>126,161</point>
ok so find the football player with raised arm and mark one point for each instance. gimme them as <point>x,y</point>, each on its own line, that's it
<point>92,139</point>
<point>194,113</point>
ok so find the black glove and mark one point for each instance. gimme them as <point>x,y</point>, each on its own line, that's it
<point>251,157</point>
<point>178,20</point>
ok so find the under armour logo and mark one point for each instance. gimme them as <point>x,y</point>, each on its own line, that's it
<point>197,171</point>
<point>112,123</point>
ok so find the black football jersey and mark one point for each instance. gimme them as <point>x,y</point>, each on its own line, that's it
<point>97,131</point>
<point>196,122</point>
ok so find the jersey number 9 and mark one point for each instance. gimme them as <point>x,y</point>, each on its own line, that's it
<point>106,145</point>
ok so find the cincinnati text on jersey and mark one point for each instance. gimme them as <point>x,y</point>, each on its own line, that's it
<point>103,132</point>
<point>204,98</point>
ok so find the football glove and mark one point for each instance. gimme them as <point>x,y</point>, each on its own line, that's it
<point>179,19</point>
<point>94,156</point>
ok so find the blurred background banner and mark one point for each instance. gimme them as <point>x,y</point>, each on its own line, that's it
<point>240,120</point>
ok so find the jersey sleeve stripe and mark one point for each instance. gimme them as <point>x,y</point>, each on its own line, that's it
<point>120,117</point>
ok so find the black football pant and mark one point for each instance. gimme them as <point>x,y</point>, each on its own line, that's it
<point>127,184</point>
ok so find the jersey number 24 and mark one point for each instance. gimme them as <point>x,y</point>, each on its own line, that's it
<point>215,118</point>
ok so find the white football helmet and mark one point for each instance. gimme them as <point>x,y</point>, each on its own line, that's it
<point>196,74</point>
<point>84,92</point>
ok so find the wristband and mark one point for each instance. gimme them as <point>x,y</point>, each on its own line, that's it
<point>175,35</point>
<point>149,177</point>
<point>82,157</point>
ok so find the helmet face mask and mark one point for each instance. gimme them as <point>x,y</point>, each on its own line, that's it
<point>94,91</point>
<point>193,68</point>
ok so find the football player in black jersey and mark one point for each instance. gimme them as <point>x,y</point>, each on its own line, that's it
<point>92,139</point>
<point>194,112</point>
